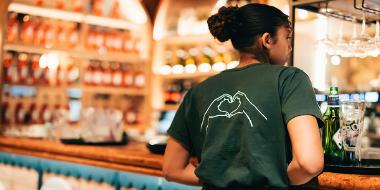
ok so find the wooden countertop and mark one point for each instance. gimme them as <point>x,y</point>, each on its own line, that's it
<point>135,157</point>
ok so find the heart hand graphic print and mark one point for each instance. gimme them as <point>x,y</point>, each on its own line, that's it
<point>229,106</point>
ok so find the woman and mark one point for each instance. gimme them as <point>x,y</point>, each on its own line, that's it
<point>254,126</point>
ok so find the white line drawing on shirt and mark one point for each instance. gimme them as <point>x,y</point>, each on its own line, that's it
<point>239,96</point>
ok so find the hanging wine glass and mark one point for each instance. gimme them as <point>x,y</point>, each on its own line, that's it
<point>375,41</point>
<point>360,45</point>
<point>326,43</point>
<point>341,45</point>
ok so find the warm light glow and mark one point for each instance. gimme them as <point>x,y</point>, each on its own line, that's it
<point>335,60</point>
<point>302,14</point>
<point>50,60</point>
<point>178,69</point>
<point>204,67</point>
<point>133,11</point>
<point>190,68</point>
<point>165,69</point>
<point>219,66</point>
<point>286,9</point>
<point>232,64</point>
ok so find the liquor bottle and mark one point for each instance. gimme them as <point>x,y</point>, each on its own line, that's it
<point>131,116</point>
<point>36,69</point>
<point>117,75</point>
<point>6,115</point>
<point>12,28</point>
<point>13,75</point>
<point>39,32</point>
<point>97,7</point>
<point>73,35</point>
<point>23,69</point>
<point>139,79</point>
<point>73,74</point>
<point>106,74</point>
<point>60,79</point>
<point>97,77</point>
<point>118,41</point>
<point>27,30</point>
<point>45,113</point>
<point>77,6</point>
<point>127,42</point>
<point>89,74</point>
<point>7,63</point>
<point>61,40</point>
<point>127,76</point>
<point>50,34</point>
<point>33,110</point>
<point>19,112</point>
<point>331,139</point>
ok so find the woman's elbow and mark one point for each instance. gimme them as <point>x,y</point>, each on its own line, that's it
<point>313,167</point>
<point>168,173</point>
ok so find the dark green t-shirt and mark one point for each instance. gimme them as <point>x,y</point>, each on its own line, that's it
<point>235,123</point>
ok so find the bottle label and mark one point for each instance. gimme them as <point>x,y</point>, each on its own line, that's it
<point>117,79</point>
<point>107,78</point>
<point>37,73</point>
<point>97,77</point>
<point>333,100</point>
<point>140,80</point>
<point>35,115</point>
<point>128,80</point>
<point>88,77</point>
<point>73,74</point>
<point>24,72</point>
<point>21,115</point>
<point>338,139</point>
<point>47,116</point>
<point>8,115</point>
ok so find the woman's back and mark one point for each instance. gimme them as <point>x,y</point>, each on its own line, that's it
<point>237,127</point>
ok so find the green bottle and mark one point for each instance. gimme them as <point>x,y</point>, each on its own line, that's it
<point>331,139</point>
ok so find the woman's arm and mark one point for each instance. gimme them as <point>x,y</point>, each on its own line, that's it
<point>177,166</point>
<point>306,148</point>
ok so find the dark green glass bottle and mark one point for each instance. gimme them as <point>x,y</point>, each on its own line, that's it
<point>331,140</point>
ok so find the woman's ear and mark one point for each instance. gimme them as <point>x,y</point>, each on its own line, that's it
<point>266,40</point>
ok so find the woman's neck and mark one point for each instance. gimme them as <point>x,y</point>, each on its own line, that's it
<point>247,59</point>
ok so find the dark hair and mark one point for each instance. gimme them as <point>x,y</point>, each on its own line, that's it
<point>245,25</point>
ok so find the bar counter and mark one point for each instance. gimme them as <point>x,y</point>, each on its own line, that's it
<point>135,157</point>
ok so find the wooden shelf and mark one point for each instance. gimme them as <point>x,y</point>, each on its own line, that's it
<point>189,75</point>
<point>112,56</point>
<point>190,39</point>
<point>114,90</point>
<point>169,107</point>
<point>72,16</point>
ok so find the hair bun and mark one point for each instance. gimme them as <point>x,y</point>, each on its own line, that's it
<point>222,24</point>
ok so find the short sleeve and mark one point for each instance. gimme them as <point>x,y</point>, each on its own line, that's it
<point>179,128</point>
<point>297,96</point>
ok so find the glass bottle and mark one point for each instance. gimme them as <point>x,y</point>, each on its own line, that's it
<point>331,139</point>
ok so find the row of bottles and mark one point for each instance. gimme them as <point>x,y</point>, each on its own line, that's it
<point>24,111</point>
<point>113,74</point>
<point>29,69</point>
<point>175,91</point>
<point>203,59</point>
<point>107,8</point>
<point>101,39</point>
<point>36,31</point>
<point>32,30</point>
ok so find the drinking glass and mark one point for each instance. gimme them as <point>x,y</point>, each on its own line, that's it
<point>351,129</point>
